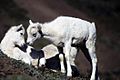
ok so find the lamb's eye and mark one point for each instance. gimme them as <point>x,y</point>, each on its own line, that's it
<point>21,34</point>
<point>34,35</point>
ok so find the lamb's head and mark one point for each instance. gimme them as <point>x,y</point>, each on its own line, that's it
<point>16,35</point>
<point>33,32</point>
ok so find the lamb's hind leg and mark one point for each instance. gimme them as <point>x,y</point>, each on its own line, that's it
<point>90,45</point>
<point>89,51</point>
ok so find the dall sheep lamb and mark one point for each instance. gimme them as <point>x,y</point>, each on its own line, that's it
<point>13,45</point>
<point>71,34</point>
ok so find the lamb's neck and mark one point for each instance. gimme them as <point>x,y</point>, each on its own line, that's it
<point>50,34</point>
<point>46,30</point>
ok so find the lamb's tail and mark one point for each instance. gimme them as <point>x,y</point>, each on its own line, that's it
<point>92,30</point>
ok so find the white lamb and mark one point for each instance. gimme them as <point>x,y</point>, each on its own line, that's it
<point>13,45</point>
<point>71,34</point>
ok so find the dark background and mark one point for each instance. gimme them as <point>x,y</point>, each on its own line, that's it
<point>105,13</point>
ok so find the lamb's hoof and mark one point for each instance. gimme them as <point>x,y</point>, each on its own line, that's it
<point>43,66</point>
<point>95,78</point>
<point>63,71</point>
<point>92,78</point>
<point>69,77</point>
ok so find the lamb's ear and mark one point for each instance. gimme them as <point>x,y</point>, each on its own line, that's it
<point>30,22</point>
<point>20,27</point>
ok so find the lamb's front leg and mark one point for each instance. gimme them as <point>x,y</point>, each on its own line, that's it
<point>67,49</point>
<point>61,57</point>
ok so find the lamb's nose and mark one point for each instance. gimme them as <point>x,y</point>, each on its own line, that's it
<point>28,43</point>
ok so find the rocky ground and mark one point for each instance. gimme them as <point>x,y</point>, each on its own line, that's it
<point>11,69</point>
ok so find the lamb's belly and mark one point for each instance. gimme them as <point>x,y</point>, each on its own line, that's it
<point>77,39</point>
<point>56,41</point>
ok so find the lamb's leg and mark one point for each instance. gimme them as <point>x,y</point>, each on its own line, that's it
<point>61,57</point>
<point>67,49</point>
<point>90,45</point>
<point>73,53</point>
<point>85,51</point>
